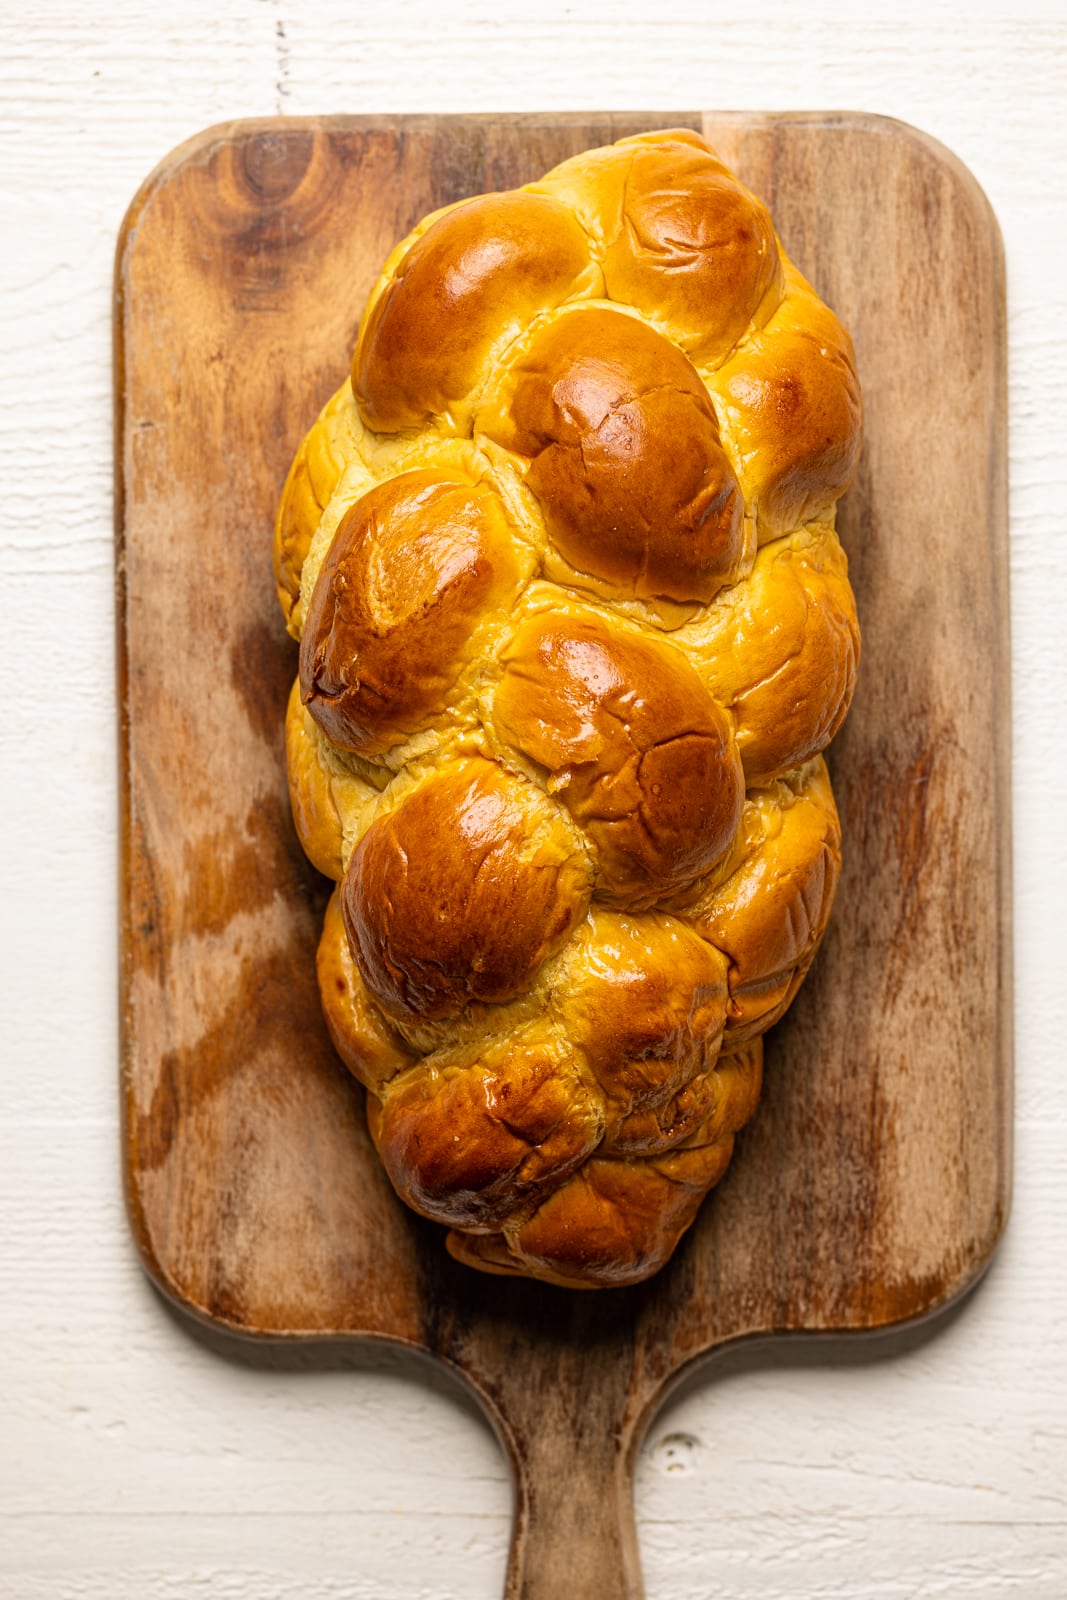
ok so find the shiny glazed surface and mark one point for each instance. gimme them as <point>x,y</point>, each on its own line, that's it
<point>575,629</point>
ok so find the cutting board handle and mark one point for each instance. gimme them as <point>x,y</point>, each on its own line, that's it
<point>573,1532</point>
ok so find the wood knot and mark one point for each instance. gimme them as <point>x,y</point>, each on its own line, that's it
<point>273,165</point>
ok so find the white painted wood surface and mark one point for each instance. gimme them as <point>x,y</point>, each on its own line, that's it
<point>139,1463</point>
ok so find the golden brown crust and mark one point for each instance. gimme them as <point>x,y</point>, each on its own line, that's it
<point>462,290</point>
<point>693,247</point>
<point>616,1222</point>
<point>414,568</point>
<point>791,413</point>
<point>462,892</point>
<point>683,241</point>
<point>371,1050</point>
<point>770,914</point>
<point>469,1144</point>
<point>315,814</point>
<point>613,1223</point>
<point>621,446</point>
<point>636,750</point>
<point>298,517</point>
<point>647,1005</point>
<point>323,792</point>
<point>313,477</point>
<point>788,686</point>
<point>568,583</point>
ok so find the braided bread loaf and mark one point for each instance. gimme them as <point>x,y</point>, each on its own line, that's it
<point>574,629</point>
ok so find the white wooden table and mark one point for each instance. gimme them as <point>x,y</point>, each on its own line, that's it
<point>139,1463</point>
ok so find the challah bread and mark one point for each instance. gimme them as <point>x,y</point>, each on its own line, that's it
<point>575,628</point>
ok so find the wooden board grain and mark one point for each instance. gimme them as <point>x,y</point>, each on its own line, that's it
<point>873,1185</point>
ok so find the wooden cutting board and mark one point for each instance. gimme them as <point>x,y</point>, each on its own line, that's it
<point>873,1185</point>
